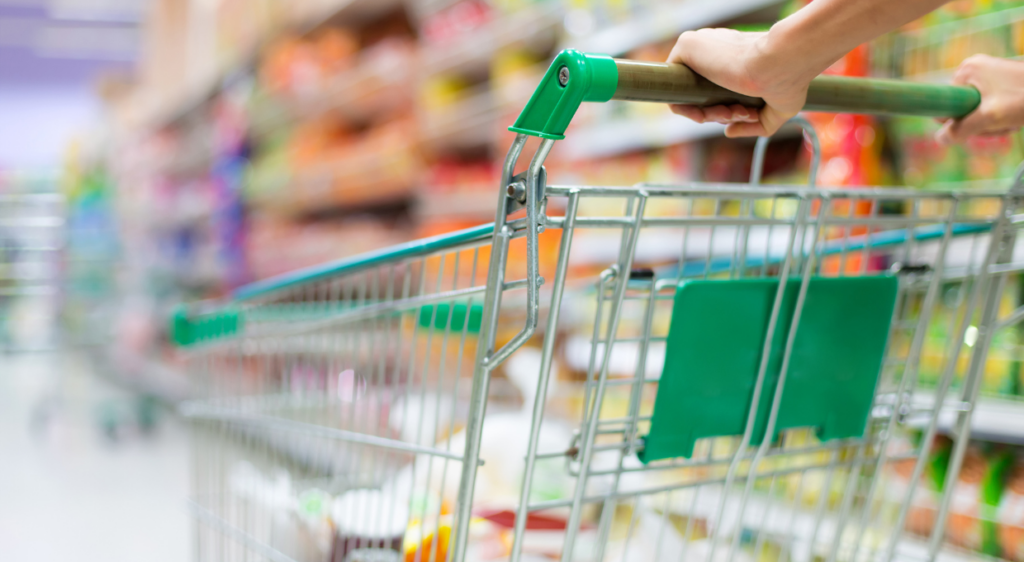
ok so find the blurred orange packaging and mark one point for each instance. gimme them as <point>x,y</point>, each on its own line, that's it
<point>963,527</point>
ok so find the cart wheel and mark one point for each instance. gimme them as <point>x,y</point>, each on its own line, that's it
<point>109,421</point>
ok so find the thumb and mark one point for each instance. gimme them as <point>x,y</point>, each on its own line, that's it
<point>773,119</point>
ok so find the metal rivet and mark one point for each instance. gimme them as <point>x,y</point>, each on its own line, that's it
<point>517,191</point>
<point>563,75</point>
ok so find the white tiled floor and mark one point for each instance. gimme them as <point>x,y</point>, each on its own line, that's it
<point>68,492</point>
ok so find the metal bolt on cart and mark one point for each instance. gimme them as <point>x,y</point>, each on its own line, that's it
<point>756,392</point>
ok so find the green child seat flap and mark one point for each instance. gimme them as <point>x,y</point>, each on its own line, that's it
<point>713,354</point>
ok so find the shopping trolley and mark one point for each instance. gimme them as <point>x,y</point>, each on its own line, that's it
<point>752,390</point>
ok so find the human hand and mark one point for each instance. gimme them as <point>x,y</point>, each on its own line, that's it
<point>746,63</point>
<point>1001,83</point>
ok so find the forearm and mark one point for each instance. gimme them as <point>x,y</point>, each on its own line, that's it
<point>825,30</point>
<point>777,66</point>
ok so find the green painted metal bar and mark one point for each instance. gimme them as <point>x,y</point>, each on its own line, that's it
<point>394,253</point>
<point>188,328</point>
<point>876,240</point>
<point>674,83</point>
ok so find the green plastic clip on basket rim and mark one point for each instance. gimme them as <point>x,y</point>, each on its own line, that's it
<point>193,328</point>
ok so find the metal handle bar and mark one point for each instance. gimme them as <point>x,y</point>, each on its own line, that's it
<point>675,83</point>
<point>576,77</point>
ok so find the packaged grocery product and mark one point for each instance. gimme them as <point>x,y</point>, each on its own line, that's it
<point>544,534</point>
<point>441,92</point>
<point>456,20</point>
<point>925,500</point>
<point>368,519</point>
<point>1010,515</point>
<point>427,543</point>
<point>336,49</point>
<point>963,525</point>
<point>993,489</point>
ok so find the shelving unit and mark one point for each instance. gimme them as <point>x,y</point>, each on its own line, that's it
<point>306,18</point>
<point>237,177</point>
<point>664,22</point>
<point>379,86</point>
<point>627,135</point>
<point>469,123</point>
<point>537,26</point>
<point>469,204</point>
<point>995,419</point>
<point>374,89</point>
<point>242,177</point>
<point>802,525</point>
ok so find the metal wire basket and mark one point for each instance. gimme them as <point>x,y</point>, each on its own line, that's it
<point>754,392</point>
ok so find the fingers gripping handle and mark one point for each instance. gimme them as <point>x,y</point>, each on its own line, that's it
<point>576,77</point>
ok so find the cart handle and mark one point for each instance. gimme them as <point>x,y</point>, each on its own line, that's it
<point>576,77</point>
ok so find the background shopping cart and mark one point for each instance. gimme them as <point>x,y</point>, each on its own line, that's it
<point>404,404</point>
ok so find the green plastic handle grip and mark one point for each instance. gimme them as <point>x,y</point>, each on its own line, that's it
<point>576,77</point>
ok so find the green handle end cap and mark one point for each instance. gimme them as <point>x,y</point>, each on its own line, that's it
<point>181,328</point>
<point>572,79</point>
<point>188,329</point>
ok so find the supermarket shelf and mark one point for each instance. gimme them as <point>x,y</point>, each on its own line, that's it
<point>470,123</point>
<point>537,27</point>
<point>194,161</point>
<point>999,420</point>
<point>423,8</point>
<point>192,99</point>
<point>372,180</point>
<point>625,135</point>
<point>36,290</point>
<point>662,24</point>
<point>32,222</point>
<point>475,203</point>
<point>799,526</point>
<point>318,193</point>
<point>943,76</point>
<point>920,64</point>
<point>8,198</point>
<point>374,87</point>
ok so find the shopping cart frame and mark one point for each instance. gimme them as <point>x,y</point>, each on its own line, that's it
<point>572,79</point>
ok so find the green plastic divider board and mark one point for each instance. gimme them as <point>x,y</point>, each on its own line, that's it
<point>714,348</point>
<point>458,313</point>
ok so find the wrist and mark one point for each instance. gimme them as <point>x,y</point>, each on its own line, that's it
<point>798,48</point>
<point>783,59</point>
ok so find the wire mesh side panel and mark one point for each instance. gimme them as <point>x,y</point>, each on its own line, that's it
<point>332,427</point>
<point>933,52</point>
<point>794,496</point>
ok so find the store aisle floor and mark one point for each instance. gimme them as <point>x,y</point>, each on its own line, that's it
<point>71,488</point>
